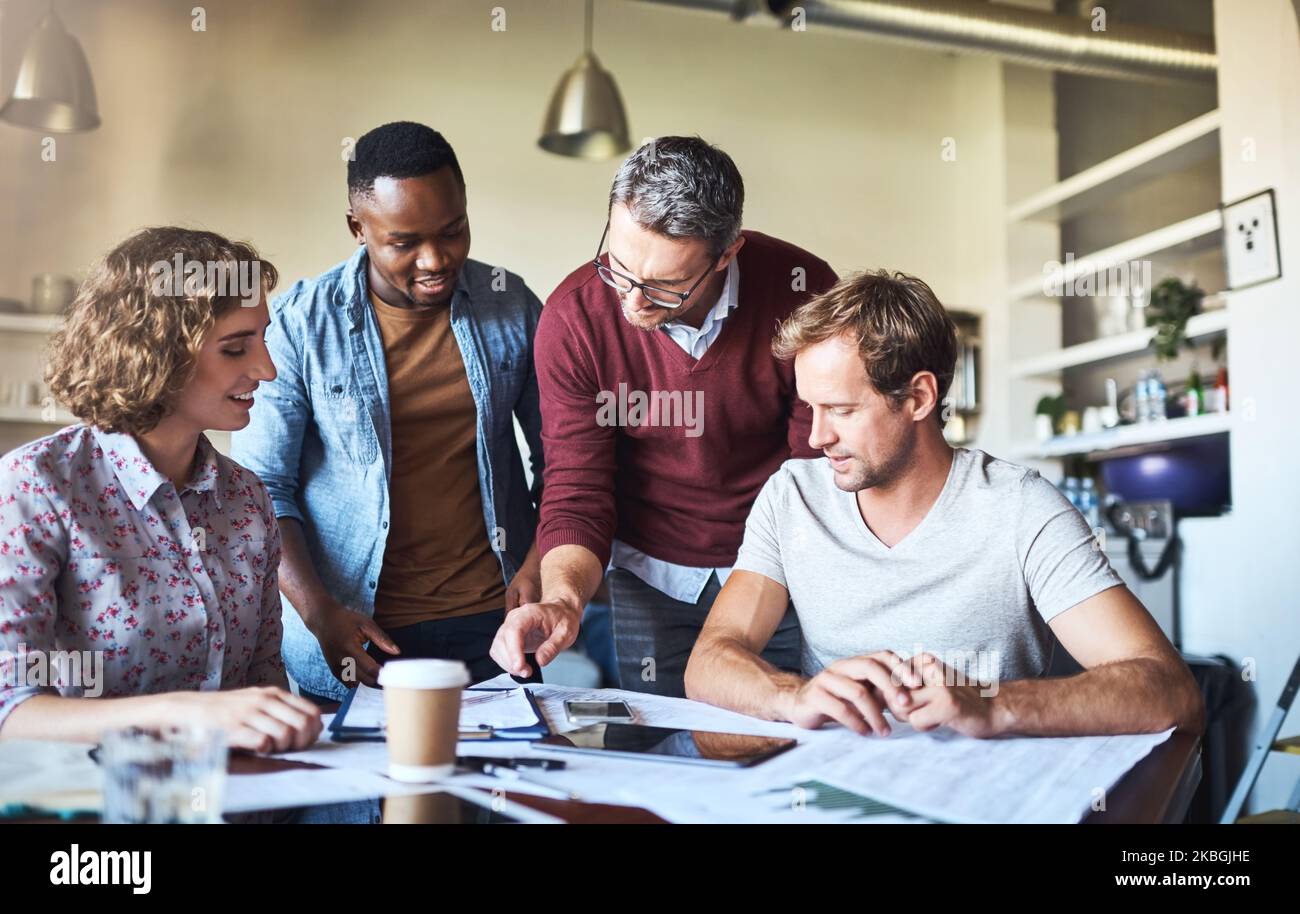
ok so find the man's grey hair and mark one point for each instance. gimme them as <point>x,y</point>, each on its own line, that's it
<point>682,187</point>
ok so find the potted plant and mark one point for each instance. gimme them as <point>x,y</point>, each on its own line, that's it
<point>1050,409</point>
<point>1173,303</point>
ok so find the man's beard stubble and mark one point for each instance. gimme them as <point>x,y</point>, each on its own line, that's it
<point>882,474</point>
<point>637,322</point>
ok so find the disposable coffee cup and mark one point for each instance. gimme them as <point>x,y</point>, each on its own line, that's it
<point>422,711</point>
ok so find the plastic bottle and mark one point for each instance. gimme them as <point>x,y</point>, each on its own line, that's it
<point>1194,399</point>
<point>1220,401</point>
<point>1142,399</point>
<point>1088,502</point>
<point>1071,489</point>
<point>1156,396</point>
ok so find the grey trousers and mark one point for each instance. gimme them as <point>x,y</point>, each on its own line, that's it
<point>654,634</point>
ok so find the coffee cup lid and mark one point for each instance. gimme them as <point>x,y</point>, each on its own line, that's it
<point>423,674</point>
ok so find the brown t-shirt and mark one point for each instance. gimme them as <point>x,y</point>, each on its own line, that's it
<point>439,561</point>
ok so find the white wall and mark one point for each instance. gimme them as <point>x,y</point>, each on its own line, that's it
<point>1245,600</point>
<point>239,129</point>
<point>1030,326</point>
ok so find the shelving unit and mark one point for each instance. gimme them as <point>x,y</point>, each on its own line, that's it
<point>1169,152</point>
<point>1198,233</point>
<point>35,415</point>
<point>967,390</point>
<point>20,322</point>
<point>1127,437</point>
<point>40,325</point>
<point>1201,327</point>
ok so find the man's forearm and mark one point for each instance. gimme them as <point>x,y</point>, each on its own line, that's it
<point>298,579</point>
<point>724,672</point>
<point>1142,695</point>
<point>570,575</point>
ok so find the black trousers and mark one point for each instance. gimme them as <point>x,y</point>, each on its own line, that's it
<point>464,638</point>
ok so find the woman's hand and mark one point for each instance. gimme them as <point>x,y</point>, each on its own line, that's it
<point>259,719</point>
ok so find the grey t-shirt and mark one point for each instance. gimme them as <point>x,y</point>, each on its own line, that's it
<point>999,554</point>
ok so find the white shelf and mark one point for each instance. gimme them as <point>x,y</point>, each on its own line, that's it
<point>1127,436</point>
<point>1169,152</point>
<point>1202,326</point>
<point>17,322</point>
<point>32,415</point>
<point>1195,234</point>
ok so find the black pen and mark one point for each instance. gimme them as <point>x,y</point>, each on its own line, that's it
<point>477,762</point>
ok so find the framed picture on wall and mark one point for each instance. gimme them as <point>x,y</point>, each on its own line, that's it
<point>1250,245</point>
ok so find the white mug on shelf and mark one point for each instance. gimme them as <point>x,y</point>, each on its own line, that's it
<point>1092,420</point>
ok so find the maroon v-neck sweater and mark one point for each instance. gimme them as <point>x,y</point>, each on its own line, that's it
<point>676,477</point>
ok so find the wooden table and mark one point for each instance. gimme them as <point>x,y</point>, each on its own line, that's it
<point>1157,790</point>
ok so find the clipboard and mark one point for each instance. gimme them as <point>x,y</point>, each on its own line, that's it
<point>341,732</point>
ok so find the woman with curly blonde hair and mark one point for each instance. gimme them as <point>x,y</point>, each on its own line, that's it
<point>138,566</point>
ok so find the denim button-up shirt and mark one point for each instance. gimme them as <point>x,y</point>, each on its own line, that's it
<point>320,435</point>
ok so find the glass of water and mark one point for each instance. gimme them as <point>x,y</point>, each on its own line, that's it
<point>172,776</point>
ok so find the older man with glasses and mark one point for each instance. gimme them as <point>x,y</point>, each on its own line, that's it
<point>663,413</point>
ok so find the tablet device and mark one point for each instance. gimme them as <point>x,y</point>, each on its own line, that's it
<point>663,744</point>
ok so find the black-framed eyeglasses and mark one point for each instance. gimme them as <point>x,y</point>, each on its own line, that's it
<point>624,284</point>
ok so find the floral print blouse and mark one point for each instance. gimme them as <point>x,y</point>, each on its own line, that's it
<point>105,566</point>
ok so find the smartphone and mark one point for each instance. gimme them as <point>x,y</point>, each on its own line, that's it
<point>595,712</point>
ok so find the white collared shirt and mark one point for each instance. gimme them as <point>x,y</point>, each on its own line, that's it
<point>682,582</point>
<point>697,342</point>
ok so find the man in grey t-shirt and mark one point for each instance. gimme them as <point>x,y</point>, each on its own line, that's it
<point>925,578</point>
